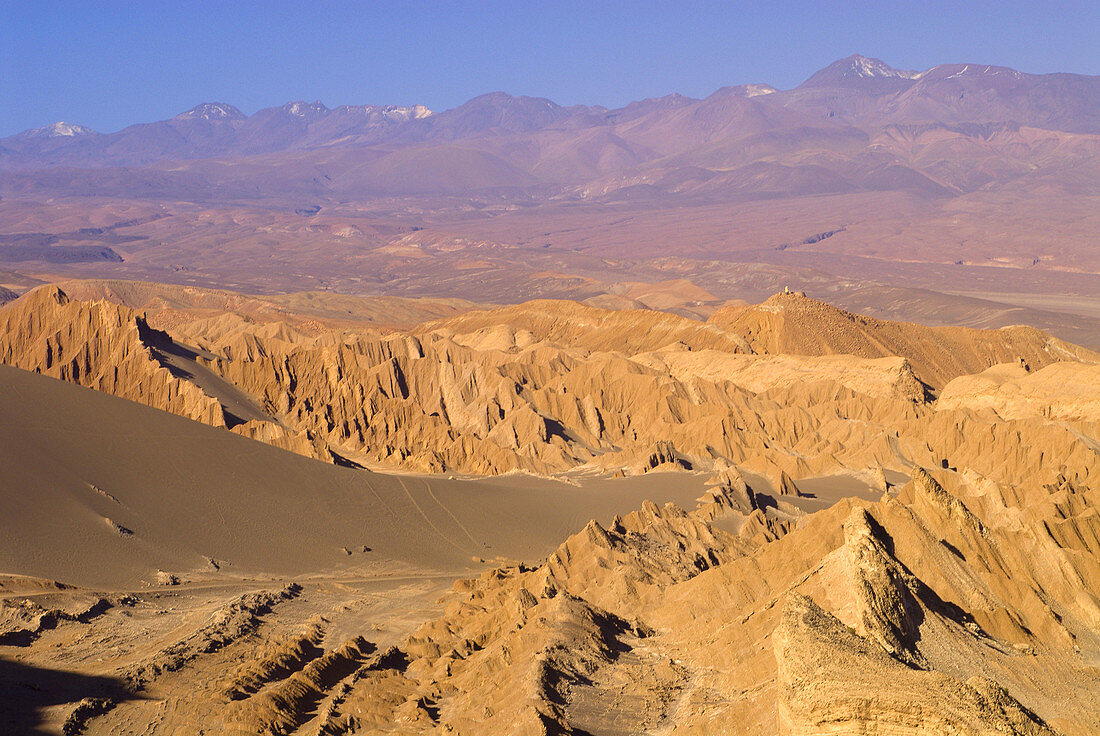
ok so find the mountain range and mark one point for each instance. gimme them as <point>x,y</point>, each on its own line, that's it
<point>978,183</point>
<point>857,108</point>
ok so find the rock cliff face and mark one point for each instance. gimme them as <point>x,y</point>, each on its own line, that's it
<point>112,349</point>
<point>98,345</point>
<point>832,682</point>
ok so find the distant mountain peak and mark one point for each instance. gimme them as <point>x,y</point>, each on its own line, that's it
<point>746,90</point>
<point>856,68</point>
<point>415,112</point>
<point>302,109</point>
<point>865,67</point>
<point>212,112</point>
<point>59,129</point>
<point>504,98</point>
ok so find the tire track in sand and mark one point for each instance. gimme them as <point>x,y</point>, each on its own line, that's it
<point>429,522</point>
<point>428,488</point>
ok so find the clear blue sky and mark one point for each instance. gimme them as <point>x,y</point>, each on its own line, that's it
<point>110,64</point>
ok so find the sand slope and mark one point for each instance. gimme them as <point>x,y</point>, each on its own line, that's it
<point>101,491</point>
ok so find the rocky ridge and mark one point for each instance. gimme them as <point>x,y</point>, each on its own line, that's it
<point>551,388</point>
<point>664,623</point>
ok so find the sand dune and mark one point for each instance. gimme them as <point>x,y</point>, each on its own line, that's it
<point>101,491</point>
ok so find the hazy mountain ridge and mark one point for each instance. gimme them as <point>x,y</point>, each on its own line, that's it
<point>859,92</point>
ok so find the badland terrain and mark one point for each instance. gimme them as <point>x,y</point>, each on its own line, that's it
<point>503,419</point>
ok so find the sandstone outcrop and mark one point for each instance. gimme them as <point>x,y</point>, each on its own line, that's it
<point>1060,391</point>
<point>554,387</point>
<point>862,619</point>
<point>98,345</point>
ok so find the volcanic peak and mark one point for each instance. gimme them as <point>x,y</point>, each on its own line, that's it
<point>212,112</point>
<point>60,129</point>
<point>856,67</point>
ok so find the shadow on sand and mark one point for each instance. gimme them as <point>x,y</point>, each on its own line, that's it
<point>25,691</point>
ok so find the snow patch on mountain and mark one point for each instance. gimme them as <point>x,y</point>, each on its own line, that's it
<point>301,109</point>
<point>756,90</point>
<point>211,112</point>
<point>386,113</point>
<point>857,69</point>
<point>977,70</point>
<point>59,129</point>
<point>867,68</point>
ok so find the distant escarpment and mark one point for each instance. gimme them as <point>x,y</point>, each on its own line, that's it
<point>791,323</point>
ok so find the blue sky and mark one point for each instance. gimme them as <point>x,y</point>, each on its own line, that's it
<point>110,64</point>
